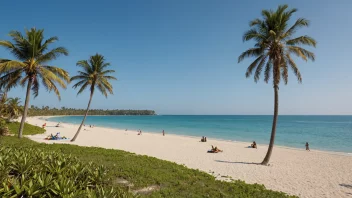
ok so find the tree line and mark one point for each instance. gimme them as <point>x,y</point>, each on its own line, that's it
<point>47,111</point>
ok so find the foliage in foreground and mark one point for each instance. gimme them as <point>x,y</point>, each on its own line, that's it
<point>174,180</point>
<point>26,172</point>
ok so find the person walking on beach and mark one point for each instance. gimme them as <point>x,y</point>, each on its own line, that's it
<point>163,133</point>
<point>307,146</point>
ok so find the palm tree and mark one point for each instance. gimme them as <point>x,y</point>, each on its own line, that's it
<point>274,45</point>
<point>94,75</point>
<point>3,104</point>
<point>13,108</point>
<point>32,67</point>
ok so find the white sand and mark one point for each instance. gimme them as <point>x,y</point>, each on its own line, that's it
<point>294,171</point>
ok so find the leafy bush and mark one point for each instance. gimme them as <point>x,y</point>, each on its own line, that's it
<point>27,172</point>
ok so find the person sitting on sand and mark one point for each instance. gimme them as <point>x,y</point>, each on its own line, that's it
<point>202,140</point>
<point>205,139</point>
<point>214,149</point>
<point>307,146</point>
<point>44,125</point>
<point>254,145</point>
<point>58,124</point>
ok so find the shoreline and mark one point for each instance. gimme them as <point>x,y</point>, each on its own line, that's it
<point>217,139</point>
<point>293,171</point>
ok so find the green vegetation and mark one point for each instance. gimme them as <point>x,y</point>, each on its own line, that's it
<point>47,111</point>
<point>94,75</point>
<point>28,128</point>
<point>10,107</point>
<point>274,45</point>
<point>171,179</point>
<point>32,67</point>
<point>28,172</point>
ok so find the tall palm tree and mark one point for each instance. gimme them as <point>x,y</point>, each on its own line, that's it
<point>13,108</point>
<point>274,45</point>
<point>33,56</point>
<point>94,75</point>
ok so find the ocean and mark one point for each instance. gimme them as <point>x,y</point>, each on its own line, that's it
<point>328,133</point>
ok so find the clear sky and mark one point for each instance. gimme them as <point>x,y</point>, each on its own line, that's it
<point>180,57</point>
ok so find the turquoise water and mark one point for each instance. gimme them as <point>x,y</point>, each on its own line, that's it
<point>331,133</point>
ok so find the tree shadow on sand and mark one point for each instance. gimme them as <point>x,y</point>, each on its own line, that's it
<point>237,162</point>
<point>346,185</point>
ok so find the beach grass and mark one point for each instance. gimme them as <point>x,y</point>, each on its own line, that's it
<point>28,128</point>
<point>138,171</point>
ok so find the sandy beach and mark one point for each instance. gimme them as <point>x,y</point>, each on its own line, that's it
<point>294,171</point>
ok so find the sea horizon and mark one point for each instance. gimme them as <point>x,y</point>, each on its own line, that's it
<point>323,132</point>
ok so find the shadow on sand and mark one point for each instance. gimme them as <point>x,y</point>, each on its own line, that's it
<point>346,185</point>
<point>237,162</point>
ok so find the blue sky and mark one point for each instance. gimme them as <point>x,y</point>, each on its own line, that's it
<point>180,57</point>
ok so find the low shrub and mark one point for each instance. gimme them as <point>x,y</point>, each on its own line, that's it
<point>28,172</point>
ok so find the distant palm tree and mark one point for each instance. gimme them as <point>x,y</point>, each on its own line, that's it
<point>274,44</point>
<point>3,104</point>
<point>94,75</point>
<point>14,109</point>
<point>32,66</point>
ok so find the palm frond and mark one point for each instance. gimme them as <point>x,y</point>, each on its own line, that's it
<point>259,69</point>
<point>253,34</point>
<point>301,22</point>
<point>52,55</point>
<point>61,73</point>
<point>302,53</point>
<point>253,65</point>
<point>294,67</point>
<point>251,52</point>
<point>109,77</point>
<point>83,87</point>
<point>85,65</point>
<point>302,40</point>
<point>284,74</point>
<point>35,87</point>
<point>267,71</point>
<point>10,65</point>
<point>18,53</point>
<point>51,76</point>
<point>10,80</point>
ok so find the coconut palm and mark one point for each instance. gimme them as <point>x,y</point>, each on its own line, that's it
<point>94,75</point>
<point>14,110</point>
<point>31,67</point>
<point>274,45</point>
<point>3,104</point>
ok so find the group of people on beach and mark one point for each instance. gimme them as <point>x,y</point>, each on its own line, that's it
<point>55,137</point>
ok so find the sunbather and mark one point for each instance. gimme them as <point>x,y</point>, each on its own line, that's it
<point>214,149</point>
<point>254,145</point>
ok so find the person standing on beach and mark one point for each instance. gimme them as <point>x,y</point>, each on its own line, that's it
<point>163,133</point>
<point>307,146</point>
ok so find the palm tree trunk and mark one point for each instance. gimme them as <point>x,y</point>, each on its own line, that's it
<point>273,129</point>
<point>26,103</point>
<point>79,129</point>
